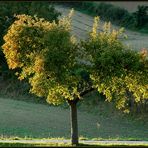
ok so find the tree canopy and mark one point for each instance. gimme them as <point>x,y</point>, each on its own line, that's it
<point>116,70</point>
<point>47,53</point>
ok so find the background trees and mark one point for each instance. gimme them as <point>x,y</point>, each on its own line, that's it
<point>48,56</point>
<point>141,16</point>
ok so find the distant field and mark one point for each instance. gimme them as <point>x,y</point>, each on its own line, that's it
<point>131,6</point>
<point>23,119</point>
<point>82,24</point>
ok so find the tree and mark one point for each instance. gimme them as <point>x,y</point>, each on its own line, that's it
<point>60,69</point>
<point>141,16</point>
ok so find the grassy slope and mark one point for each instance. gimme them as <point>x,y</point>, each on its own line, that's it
<point>23,119</point>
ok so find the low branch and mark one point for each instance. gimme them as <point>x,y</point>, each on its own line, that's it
<point>86,91</point>
<point>70,102</point>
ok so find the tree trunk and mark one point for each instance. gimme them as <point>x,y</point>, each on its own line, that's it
<point>73,117</point>
<point>74,122</point>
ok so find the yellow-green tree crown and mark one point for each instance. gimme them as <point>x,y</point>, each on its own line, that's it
<point>46,53</point>
<point>116,70</point>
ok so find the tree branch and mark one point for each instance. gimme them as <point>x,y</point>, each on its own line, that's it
<point>70,102</point>
<point>86,91</point>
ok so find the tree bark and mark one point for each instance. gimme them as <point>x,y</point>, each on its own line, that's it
<point>74,122</point>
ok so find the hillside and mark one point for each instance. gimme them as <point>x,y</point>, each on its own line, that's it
<point>82,24</point>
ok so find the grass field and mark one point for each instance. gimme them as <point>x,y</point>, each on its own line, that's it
<point>26,119</point>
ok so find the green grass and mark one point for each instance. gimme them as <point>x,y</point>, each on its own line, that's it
<point>66,145</point>
<point>21,119</point>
